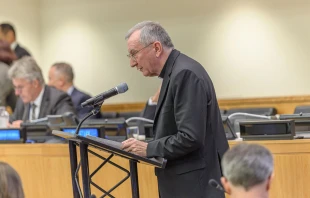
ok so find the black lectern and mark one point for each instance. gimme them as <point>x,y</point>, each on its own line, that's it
<point>112,147</point>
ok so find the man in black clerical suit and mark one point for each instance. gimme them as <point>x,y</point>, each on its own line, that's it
<point>36,100</point>
<point>188,128</point>
<point>8,34</point>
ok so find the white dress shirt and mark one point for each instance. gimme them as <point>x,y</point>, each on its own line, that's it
<point>37,102</point>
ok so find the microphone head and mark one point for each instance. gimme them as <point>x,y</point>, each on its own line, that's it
<point>122,88</point>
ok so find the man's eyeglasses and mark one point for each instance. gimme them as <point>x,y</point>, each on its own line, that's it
<point>21,87</point>
<point>132,55</point>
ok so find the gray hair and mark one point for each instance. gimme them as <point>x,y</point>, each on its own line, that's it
<point>247,165</point>
<point>26,68</point>
<point>65,69</point>
<point>151,32</point>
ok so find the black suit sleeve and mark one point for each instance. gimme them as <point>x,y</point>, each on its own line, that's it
<point>190,112</point>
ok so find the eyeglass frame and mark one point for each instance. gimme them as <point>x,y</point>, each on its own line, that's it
<point>20,88</point>
<point>132,56</point>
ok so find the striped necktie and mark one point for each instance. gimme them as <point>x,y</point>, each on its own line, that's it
<point>33,111</point>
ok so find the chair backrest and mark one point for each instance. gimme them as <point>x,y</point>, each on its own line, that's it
<point>267,111</point>
<point>302,109</point>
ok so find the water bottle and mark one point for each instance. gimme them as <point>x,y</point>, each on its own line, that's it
<point>4,117</point>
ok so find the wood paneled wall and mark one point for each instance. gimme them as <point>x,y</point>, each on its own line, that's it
<point>284,105</point>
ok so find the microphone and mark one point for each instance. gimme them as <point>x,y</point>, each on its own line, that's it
<point>122,88</point>
<point>92,196</point>
<point>216,185</point>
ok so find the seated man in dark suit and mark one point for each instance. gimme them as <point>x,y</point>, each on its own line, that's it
<point>8,34</point>
<point>36,100</point>
<point>61,77</point>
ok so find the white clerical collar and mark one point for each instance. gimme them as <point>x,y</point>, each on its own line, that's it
<point>13,45</point>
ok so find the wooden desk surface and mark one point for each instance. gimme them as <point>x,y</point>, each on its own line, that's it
<point>45,170</point>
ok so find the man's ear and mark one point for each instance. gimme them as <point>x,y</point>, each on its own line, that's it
<point>269,180</point>
<point>61,81</point>
<point>158,48</point>
<point>226,185</point>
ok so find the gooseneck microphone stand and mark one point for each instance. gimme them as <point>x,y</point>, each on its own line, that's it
<point>95,111</point>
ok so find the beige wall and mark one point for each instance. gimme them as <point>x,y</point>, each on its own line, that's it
<point>250,48</point>
<point>25,16</point>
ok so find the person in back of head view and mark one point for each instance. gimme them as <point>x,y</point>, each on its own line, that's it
<point>10,182</point>
<point>248,171</point>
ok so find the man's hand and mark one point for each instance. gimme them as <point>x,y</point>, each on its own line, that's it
<point>135,146</point>
<point>15,124</point>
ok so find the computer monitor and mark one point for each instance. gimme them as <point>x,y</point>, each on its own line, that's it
<point>40,130</point>
<point>11,135</point>
<point>267,130</point>
<point>115,128</point>
<point>86,130</point>
<point>302,121</point>
<point>36,132</point>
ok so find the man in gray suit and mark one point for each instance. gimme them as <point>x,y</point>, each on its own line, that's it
<point>188,127</point>
<point>36,100</point>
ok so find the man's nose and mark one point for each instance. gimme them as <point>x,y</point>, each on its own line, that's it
<point>133,62</point>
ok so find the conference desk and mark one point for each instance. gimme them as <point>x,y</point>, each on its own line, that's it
<point>45,170</point>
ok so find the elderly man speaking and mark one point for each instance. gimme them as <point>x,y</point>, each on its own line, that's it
<point>188,125</point>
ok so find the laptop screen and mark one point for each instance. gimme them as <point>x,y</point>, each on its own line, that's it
<point>83,131</point>
<point>9,134</point>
